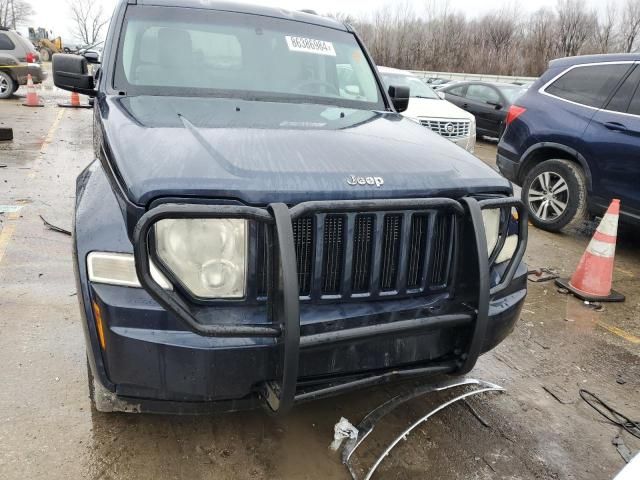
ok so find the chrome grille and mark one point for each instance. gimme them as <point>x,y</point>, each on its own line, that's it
<point>448,128</point>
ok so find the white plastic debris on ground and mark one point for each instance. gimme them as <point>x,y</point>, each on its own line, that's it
<point>343,429</point>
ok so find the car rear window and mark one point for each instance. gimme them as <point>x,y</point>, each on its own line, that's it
<point>26,43</point>
<point>621,99</point>
<point>589,85</point>
<point>634,106</point>
<point>5,42</point>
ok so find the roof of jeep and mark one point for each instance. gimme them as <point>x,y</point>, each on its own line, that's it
<point>248,9</point>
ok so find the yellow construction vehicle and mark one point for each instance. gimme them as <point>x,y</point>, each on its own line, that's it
<point>45,45</point>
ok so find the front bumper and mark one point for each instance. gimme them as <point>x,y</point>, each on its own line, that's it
<point>287,352</point>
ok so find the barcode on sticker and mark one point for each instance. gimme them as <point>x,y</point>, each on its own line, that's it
<point>309,45</point>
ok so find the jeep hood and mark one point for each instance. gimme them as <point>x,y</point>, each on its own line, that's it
<point>260,152</point>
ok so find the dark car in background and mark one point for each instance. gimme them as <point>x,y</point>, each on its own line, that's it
<point>18,58</point>
<point>573,140</point>
<point>253,232</point>
<point>489,102</point>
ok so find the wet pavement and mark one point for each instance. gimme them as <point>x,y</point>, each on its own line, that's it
<point>538,429</point>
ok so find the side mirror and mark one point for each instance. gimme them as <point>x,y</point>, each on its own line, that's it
<point>91,56</point>
<point>71,72</point>
<point>400,97</point>
<point>442,95</point>
<point>497,105</point>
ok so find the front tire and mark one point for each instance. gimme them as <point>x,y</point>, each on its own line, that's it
<point>555,194</point>
<point>46,54</point>
<point>7,85</point>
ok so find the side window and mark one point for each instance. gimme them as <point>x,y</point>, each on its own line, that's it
<point>5,42</point>
<point>457,91</point>
<point>621,99</point>
<point>634,106</point>
<point>590,85</point>
<point>482,94</point>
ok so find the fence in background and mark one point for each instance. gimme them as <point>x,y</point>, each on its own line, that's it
<point>473,76</point>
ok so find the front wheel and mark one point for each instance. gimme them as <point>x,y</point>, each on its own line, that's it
<point>555,194</point>
<point>46,54</point>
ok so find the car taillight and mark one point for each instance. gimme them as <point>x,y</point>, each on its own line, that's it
<point>514,112</point>
<point>31,58</point>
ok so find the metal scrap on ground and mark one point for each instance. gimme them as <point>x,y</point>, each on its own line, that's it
<point>55,228</point>
<point>368,423</point>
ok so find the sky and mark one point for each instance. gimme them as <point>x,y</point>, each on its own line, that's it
<point>53,14</point>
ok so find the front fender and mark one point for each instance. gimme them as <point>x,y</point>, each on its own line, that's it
<point>97,225</point>
<point>529,155</point>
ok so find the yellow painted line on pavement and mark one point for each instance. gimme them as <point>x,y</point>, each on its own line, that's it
<point>621,333</point>
<point>9,226</point>
<point>47,140</point>
<point>7,232</point>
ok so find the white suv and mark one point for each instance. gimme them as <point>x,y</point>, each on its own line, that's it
<point>431,110</point>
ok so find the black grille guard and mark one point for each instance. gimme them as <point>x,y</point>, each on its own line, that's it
<point>284,308</point>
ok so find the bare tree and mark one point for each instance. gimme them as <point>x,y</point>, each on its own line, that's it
<point>575,24</point>
<point>14,12</point>
<point>89,20</point>
<point>499,33</point>
<point>630,25</point>
<point>540,44</point>
<point>502,42</point>
<point>606,29</point>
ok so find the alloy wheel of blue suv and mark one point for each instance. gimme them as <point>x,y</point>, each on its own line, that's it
<point>555,194</point>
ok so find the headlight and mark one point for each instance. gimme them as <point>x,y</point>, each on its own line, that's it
<point>508,250</point>
<point>491,219</point>
<point>120,269</point>
<point>208,256</point>
<point>511,242</point>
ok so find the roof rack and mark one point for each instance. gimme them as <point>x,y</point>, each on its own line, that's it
<point>308,10</point>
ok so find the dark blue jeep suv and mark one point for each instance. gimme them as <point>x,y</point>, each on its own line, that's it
<point>573,140</point>
<point>253,232</point>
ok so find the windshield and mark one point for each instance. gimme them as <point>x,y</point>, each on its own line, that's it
<point>417,87</point>
<point>197,52</point>
<point>512,93</point>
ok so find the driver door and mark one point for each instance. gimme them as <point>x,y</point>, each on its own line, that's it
<point>484,102</point>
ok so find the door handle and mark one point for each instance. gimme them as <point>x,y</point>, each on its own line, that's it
<point>616,126</point>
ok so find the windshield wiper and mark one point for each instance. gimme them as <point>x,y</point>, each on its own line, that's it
<point>422,96</point>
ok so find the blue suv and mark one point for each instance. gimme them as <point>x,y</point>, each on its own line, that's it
<point>573,141</point>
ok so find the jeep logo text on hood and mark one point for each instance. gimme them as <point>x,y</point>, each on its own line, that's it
<point>354,180</point>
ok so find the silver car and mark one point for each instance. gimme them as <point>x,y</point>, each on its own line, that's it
<point>18,58</point>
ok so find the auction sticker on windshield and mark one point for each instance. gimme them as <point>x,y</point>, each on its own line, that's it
<point>309,45</point>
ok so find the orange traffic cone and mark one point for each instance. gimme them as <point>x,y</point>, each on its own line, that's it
<point>75,102</point>
<point>592,279</point>
<point>32,95</point>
